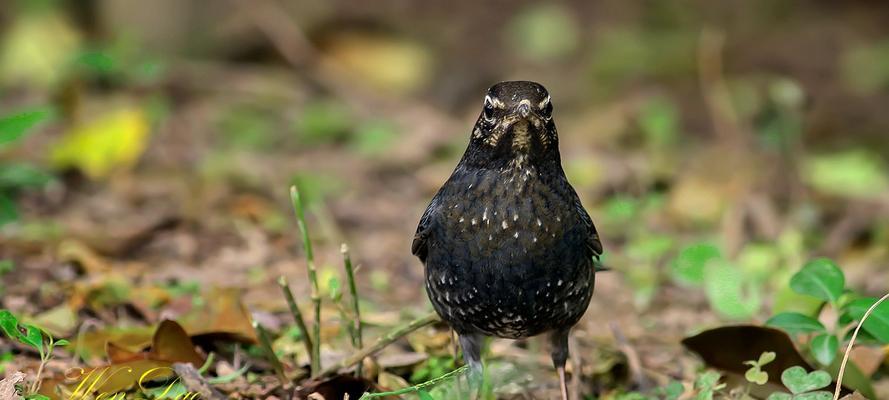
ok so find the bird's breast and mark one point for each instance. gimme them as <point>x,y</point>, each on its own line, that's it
<point>507,256</point>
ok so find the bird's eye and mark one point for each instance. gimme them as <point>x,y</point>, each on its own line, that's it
<point>489,111</point>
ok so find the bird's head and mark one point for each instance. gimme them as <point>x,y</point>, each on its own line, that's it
<point>515,127</point>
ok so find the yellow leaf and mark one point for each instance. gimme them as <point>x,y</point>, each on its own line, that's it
<point>98,148</point>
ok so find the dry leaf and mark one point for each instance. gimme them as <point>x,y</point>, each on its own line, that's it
<point>7,385</point>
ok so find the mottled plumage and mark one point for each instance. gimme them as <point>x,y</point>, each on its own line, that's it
<point>508,247</point>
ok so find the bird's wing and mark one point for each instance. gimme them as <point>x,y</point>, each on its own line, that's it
<point>593,243</point>
<point>419,245</point>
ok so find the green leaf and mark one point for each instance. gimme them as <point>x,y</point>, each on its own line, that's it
<point>8,211</point>
<point>799,381</point>
<point>819,395</point>
<point>787,300</point>
<point>857,173</point>
<point>424,395</point>
<point>729,293</point>
<point>10,324</point>
<point>14,127</point>
<point>62,342</point>
<point>779,396</point>
<point>824,348</point>
<point>793,323</point>
<point>36,396</point>
<point>819,278</point>
<point>757,376</point>
<point>672,391</point>
<point>707,380</point>
<point>32,336</point>
<point>877,323</point>
<point>766,357</point>
<point>27,334</point>
<point>15,176</point>
<point>688,267</point>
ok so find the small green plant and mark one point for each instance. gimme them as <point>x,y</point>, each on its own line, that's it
<point>707,385</point>
<point>32,336</point>
<point>755,374</point>
<point>433,367</point>
<point>803,385</point>
<point>821,279</point>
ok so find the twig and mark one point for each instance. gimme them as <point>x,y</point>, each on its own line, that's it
<point>382,342</point>
<point>836,393</point>
<point>298,317</point>
<point>195,383</point>
<point>417,387</point>
<point>266,344</point>
<point>633,360</point>
<point>313,276</point>
<point>357,340</point>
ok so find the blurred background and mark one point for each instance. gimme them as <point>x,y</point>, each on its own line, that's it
<point>168,132</point>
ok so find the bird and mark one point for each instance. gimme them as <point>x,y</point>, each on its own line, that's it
<point>508,249</point>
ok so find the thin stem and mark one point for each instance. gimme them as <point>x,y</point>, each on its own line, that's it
<point>313,276</point>
<point>357,340</point>
<point>45,352</point>
<point>300,322</point>
<point>417,387</point>
<point>836,393</point>
<point>382,342</point>
<point>266,344</point>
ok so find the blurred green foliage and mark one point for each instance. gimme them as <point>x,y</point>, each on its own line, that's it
<point>852,173</point>
<point>17,176</point>
<point>543,32</point>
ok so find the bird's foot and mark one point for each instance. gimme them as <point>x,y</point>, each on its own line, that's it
<point>563,384</point>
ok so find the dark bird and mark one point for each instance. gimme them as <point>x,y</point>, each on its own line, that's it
<point>507,246</point>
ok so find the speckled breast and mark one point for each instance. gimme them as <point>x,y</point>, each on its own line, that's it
<point>507,257</point>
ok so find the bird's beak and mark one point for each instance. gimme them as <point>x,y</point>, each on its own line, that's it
<point>524,109</point>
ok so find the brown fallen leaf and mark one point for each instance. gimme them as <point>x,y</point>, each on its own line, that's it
<point>727,348</point>
<point>170,344</point>
<point>390,382</point>
<point>60,321</point>
<point>223,314</point>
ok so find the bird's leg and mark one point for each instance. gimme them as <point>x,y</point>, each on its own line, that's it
<point>559,340</point>
<point>472,343</point>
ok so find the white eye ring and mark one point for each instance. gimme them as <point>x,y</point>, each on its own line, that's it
<point>494,102</point>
